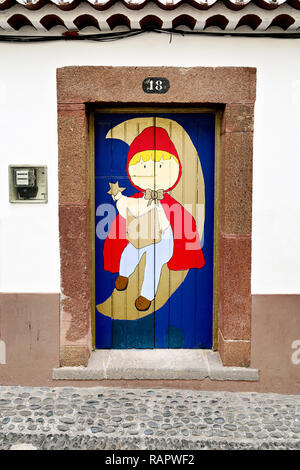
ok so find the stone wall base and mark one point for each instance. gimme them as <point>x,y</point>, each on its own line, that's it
<point>29,328</point>
<point>234,352</point>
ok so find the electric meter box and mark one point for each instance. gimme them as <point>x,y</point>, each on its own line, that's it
<point>28,184</point>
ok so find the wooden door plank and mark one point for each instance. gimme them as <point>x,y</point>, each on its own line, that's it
<point>176,328</point>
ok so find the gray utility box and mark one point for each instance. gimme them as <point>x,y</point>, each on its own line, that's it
<point>28,184</point>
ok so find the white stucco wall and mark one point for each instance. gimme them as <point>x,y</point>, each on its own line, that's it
<point>29,248</point>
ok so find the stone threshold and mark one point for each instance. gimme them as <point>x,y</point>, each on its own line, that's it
<point>155,364</point>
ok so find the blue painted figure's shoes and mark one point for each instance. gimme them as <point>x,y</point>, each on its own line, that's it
<point>142,304</point>
<point>121,283</point>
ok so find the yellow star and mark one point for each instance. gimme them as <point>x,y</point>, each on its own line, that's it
<point>115,189</point>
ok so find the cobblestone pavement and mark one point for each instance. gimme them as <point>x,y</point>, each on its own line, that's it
<point>115,418</point>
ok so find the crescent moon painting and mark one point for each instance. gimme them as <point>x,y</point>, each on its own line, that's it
<point>151,172</point>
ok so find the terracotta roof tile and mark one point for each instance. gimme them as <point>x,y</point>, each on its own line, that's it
<point>107,15</point>
<point>139,4</point>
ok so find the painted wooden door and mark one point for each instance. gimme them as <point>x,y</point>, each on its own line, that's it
<point>154,226</point>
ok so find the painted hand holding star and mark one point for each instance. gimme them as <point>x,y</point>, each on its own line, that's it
<point>115,189</point>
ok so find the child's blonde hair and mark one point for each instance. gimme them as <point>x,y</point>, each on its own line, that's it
<point>155,155</point>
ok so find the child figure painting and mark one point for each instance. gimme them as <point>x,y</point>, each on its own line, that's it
<point>151,223</point>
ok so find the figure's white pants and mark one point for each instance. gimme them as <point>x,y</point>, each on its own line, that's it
<point>157,255</point>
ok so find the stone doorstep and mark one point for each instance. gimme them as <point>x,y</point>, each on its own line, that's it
<point>155,364</point>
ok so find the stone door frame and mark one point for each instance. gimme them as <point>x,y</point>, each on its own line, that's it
<point>233,89</point>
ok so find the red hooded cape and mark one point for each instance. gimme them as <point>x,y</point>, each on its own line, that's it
<point>187,252</point>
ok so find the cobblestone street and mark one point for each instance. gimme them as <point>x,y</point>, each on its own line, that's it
<point>114,418</point>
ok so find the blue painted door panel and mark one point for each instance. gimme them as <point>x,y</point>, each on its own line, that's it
<point>185,319</point>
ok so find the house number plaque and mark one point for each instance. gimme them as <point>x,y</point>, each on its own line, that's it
<point>156,85</point>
